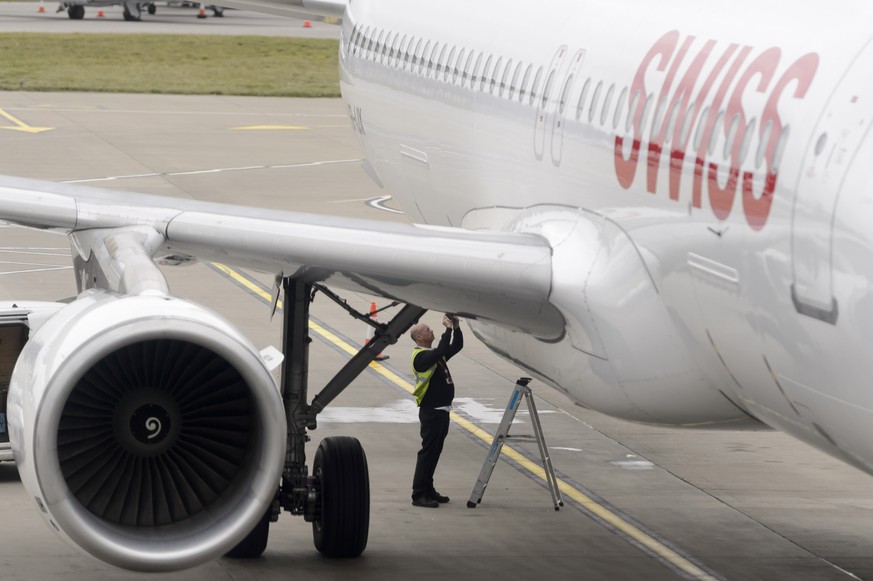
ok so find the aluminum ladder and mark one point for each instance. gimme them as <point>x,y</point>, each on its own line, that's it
<point>521,390</point>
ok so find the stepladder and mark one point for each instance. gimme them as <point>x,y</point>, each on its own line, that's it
<point>521,391</point>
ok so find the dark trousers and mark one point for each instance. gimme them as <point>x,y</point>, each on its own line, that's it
<point>434,429</point>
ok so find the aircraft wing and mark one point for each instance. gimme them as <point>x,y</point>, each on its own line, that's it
<point>505,278</point>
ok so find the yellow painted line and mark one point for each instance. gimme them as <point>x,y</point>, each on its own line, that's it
<point>269,128</point>
<point>21,125</point>
<point>652,544</point>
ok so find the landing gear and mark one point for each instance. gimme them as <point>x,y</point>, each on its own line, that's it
<point>152,9</point>
<point>217,11</point>
<point>132,15</point>
<point>336,497</point>
<point>76,11</point>
<point>342,488</point>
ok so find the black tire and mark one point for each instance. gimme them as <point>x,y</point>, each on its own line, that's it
<point>255,543</point>
<point>342,522</point>
<point>152,9</point>
<point>128,16</point>
<point>76,12</point>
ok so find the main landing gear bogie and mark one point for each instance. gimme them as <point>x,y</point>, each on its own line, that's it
<point>335,498</point>
<point>76,11</point>
<point>342,484</point>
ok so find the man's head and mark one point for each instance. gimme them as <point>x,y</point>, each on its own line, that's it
<point>422,335</point>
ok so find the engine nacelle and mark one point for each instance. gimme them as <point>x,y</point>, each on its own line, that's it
<point>147,430</point>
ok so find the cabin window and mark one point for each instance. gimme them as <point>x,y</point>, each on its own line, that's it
<point>647,110</point>
<point>687,123</point>
<point>619,107</point>
<point>486,72</point>
<point>394,47</point>
<point>535,88</point>
<point>747,140</point>
<point>547,90</point>
<point>595,99</point>
<point>565,94</point>
<point>698,136</point>
<point>441,60</point>
<point>582,96</point>
<point>780,149</point>
<point>449,68</point>
<point>607,103</point>
<point>368,53</point>
<point>513,85</point>
<point>468,65</point>
<point>407,52</point>
<point>523,91</point>
<point>380,46</point>
<point>632,111</point>
<point>731,135</point>
<point>504,80</point>
<point>475,75</point>
<point>713,138</point>
<point>420,52</point>
<point>430,56</point>
<point>762,145</point>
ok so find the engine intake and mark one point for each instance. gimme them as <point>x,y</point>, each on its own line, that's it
<point>147,429</point>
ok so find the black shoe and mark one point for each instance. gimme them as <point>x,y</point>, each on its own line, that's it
<point>438,497</point>
<point>425,501</point>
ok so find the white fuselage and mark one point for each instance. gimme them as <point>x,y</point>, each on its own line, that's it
<point>702,173</point>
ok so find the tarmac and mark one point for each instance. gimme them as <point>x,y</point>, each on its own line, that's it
<point>641,502</point>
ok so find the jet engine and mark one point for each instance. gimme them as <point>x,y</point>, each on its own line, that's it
<point>147,430</point>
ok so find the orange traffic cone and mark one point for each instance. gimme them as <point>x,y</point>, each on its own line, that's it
<point>371,332</point>
<point>99,14</point>
<point>307,24</point>
<point>202,12</point>
<point>41,7</point>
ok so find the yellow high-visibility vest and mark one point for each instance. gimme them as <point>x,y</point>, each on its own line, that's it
<point>422,379</point>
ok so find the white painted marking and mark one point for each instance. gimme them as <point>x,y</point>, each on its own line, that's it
<point>633,464</point>
<point>377,204</point>
<point>483,413</point>
<point>36,270</point>
<point>213,170</point>
<point>564,448</point>
<point>405,411</point>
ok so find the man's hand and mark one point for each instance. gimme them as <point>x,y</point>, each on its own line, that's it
<point>451,321</point>
<point>447,322</point>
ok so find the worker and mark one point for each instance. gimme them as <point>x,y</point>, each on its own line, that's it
<point>434,392</point>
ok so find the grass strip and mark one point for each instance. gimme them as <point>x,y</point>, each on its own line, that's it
<point>165,63</point>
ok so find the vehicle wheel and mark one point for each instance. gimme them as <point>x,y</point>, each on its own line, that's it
<point>255,543</point>
<point>152,9</point>
<point>342,481</point>
<point>130,17</point>
<point>76,12</point>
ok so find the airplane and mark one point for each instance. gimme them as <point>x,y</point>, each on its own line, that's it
<point>133,9</point>
<point>662,210</point>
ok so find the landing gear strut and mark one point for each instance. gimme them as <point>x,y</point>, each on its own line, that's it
<point>336,497</point>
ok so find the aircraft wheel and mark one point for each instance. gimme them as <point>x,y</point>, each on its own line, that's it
<point>255,543</point>
<point>129,16</point>
<point>152,9</point>
<point>342,482</point>
<point>76,12</point>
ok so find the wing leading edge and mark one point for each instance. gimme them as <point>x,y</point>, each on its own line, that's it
<point>504,278</point>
